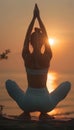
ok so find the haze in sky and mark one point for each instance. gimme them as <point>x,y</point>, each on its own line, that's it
<point>58,18</point>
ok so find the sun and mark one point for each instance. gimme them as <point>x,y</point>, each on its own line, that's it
<point>51,41</point>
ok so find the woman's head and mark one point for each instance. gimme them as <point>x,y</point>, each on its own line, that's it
<point>37,38</point>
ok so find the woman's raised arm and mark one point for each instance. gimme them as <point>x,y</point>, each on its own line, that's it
<point>28,35</point>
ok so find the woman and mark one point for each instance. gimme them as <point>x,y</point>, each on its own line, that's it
<point>37,62</point>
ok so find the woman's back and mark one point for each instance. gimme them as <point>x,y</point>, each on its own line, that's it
<point>36,69</point>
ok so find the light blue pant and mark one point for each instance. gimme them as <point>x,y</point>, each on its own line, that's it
<point>37,99</point>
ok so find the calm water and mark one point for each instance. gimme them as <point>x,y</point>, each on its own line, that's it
<point>64,108</point>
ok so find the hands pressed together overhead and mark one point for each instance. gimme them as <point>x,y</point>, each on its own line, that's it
<point>36,11</point>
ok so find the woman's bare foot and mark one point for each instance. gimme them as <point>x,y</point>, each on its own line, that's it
<point>45,116</point>
<point>25,116</point>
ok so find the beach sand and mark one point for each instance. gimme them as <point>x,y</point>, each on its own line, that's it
<point>35,124</point>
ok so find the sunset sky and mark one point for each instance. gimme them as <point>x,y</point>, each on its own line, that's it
<point>58,18</point>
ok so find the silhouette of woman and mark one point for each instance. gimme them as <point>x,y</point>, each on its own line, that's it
<point>37,62</point>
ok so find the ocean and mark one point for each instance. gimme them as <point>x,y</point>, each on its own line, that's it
<point>64,108</point>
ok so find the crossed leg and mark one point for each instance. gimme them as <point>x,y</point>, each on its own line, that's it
<point>60,92</point>
<point>18,95</point>
<point>56,96</point>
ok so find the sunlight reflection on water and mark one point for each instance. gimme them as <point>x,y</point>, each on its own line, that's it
<point>51,85</point>
<point>51,81</point>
